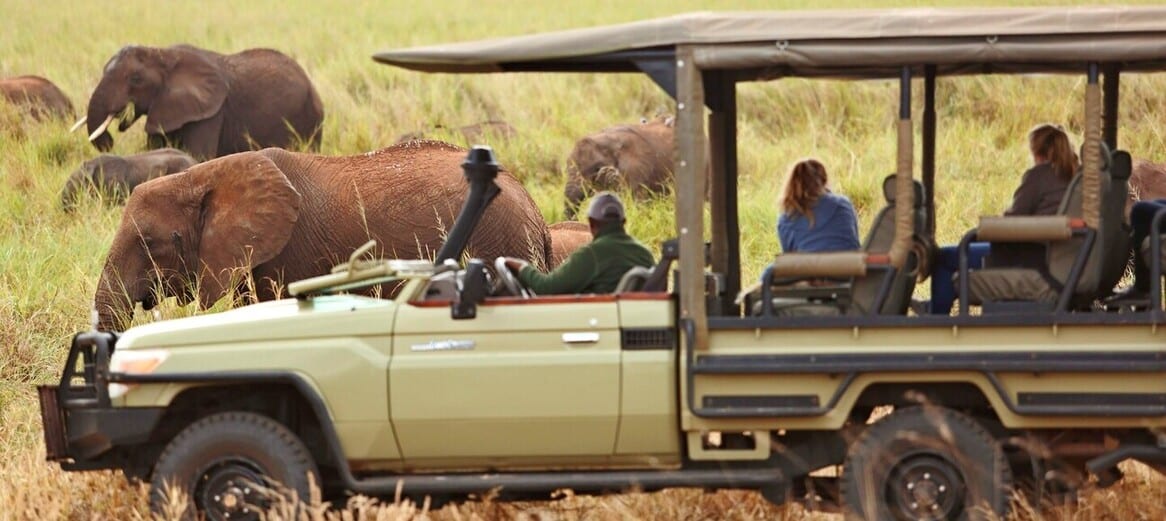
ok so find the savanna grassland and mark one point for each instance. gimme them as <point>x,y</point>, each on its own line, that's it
<point>50,261</point>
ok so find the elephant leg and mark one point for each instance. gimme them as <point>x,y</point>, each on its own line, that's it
<point>201,138</point>
<point>156,141</point>
<point>574,194</point>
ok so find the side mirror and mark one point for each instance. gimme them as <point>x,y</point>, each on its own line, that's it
<point>471,291</point>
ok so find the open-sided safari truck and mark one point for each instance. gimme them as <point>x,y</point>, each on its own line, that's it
<point>443,390</point>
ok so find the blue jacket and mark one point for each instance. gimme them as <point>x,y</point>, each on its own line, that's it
<point>835,227</point>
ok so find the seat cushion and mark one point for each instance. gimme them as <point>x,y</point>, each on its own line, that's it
<point>1009,284</point>
<point>802,308</point>
<point>799,307</point>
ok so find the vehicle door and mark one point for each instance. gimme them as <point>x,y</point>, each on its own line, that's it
<point>534,378</point>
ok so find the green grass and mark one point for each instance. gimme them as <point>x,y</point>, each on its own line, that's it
<point>50,261</point>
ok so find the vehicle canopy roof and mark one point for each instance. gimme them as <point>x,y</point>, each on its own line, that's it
<point>852,43</point>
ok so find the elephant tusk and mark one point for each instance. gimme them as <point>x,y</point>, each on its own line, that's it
<point>101,129</point>
<point>77,125</point>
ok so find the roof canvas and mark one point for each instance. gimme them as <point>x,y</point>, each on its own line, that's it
<point>853,42</point>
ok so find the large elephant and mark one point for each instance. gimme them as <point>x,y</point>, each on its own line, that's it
<point>636,157</point>
<point>473,134</point>
<point>40,96</point>
<point>566,237</point>
<point>281,216</point>
<point>206,103</point>
<point>114,177</point>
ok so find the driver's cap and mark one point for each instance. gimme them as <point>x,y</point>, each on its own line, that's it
<point>606,207</point>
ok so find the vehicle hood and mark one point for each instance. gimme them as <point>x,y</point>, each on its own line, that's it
<point>327,316</point>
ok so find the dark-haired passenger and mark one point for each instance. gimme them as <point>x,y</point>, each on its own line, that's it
<point>1040,192</point>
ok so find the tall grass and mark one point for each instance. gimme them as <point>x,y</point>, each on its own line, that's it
<point>50,261</point>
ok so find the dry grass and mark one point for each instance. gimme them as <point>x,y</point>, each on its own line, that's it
<point>49,261</point>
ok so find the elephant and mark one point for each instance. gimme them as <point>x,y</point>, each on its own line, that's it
<point>281,216</point>
<point>639,158</point>
<point>40,96</point>
<point>1147,182</point>
<point>475,133</point>
<point>206,103</point>
<point>114,177</point>
<point>566,237</point>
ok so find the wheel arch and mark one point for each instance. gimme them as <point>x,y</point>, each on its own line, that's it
<point>964,391</point>
<point>286,397</point>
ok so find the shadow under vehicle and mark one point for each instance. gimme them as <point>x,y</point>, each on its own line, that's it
<point>673,381</point>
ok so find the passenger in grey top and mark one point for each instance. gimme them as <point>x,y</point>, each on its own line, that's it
<point>1040,192</point>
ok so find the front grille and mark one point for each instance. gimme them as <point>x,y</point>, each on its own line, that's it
<point>54,423</point>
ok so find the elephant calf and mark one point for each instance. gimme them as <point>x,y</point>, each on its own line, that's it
<point>279,216</point>
<point>40,96</point>
<point>635,157</point>
<point>114,177</point>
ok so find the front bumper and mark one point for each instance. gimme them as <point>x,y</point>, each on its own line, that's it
<point>80,425</point>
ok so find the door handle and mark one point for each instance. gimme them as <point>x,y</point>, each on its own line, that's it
<point>580,338</point>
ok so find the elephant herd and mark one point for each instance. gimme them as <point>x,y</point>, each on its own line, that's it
<point>220,207</point>
<point>218,203</point>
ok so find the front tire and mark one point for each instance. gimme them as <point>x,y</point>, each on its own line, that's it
<point>925,463</point>
<point>226,465</point>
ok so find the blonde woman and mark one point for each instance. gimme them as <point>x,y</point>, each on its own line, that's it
<point>814,219</point>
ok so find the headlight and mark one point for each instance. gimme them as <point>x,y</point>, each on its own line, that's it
<point>133,362</point>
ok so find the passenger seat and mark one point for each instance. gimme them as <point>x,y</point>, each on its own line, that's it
<point>1089,261</point>
<point>860,296</point>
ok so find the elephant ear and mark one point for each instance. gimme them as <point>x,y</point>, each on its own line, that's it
<point>194,90</point>
<point>248,211</point>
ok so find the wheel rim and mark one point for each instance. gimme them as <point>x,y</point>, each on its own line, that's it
<point>230,490</point>
<point>925,486</point>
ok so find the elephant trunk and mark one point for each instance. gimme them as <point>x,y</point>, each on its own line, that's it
<point>100,139</point>
<point>102,107</point>
<point>120,287</point>
<point>114,307</point>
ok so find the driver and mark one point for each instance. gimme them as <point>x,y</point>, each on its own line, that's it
<point>597,266</point>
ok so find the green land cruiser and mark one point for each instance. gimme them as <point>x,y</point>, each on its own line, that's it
<point>681,378</point>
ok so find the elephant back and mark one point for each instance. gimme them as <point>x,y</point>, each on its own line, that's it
<point>42,97</point>
<point>407,197</point>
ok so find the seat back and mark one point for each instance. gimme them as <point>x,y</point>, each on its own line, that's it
<point>657,280</point>
<point>633,279</point>
<point>878,239</point>
<point>1114,243</point>
<point>1106,259</point>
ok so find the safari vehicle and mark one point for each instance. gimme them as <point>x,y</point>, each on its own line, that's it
<point>445,390</point>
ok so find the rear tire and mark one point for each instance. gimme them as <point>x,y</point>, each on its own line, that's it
<point>227,464</point>
<point>925,463</point>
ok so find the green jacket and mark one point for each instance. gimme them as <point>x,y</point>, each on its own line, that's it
<point>596,267</point>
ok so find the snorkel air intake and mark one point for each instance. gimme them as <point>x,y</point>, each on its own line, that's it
<point>480,171</point>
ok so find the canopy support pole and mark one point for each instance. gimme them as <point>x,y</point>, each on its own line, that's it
<point>690,191</point>
<point>721,98</point>
<point>929,147</point>
<point>1112,89</point>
